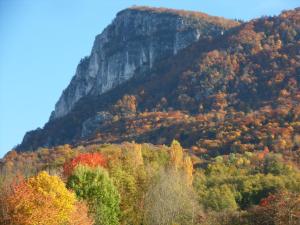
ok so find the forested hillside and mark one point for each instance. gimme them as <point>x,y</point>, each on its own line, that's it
<point>146,184</point>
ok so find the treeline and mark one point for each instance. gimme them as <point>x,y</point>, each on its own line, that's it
<point>145,184</point>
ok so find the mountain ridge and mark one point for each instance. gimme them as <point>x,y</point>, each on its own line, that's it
<point>199,95</point>
<point>186,13</point>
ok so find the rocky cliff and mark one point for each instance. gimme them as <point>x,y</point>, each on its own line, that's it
<point>138,47</point>
<point>136,39</point>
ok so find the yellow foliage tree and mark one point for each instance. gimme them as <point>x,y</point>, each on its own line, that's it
<point>181,163</point>
<point>40,200</point>
<point>53,187</point>
<point>188,169</point>
<point>176,154</point>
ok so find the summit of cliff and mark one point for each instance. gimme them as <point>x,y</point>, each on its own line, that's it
<point>227,23</point>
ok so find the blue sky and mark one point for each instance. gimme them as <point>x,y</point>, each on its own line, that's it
<point>42,41</point>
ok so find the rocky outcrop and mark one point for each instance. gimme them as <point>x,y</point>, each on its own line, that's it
<point>136,39</point>
<point>91,124</point>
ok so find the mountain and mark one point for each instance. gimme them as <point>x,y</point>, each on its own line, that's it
<point>235,90</point>
<point>212,125</point>
<point>136,39</point>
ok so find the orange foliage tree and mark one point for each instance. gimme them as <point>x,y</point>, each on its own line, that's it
<point>80,215</point>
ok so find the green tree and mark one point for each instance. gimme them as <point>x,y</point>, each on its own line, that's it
<point>220,198</point>
<point>95,186</point>
<point>129,177</point>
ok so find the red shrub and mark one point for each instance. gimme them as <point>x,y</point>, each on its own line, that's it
<point>267,201</point>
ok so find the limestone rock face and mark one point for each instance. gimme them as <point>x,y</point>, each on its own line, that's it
<point>136,39</point>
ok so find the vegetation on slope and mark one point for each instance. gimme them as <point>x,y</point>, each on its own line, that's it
<point>147,184</point>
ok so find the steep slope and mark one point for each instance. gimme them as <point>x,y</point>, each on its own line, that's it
<point>136,39</point>
<point>232,93</point>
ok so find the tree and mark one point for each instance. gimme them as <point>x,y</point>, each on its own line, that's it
<point>80,215</point>
<point>132,156</point>
<point>42,199</point>
<point>176,154</point>
<point>129,177</point>
<point>181,163</point>
<point>128,188</point>
<point>126,106</point>
<point>188,169</point>
<point>95,186</point>
<point>87,159</point>
<point>170,200</point>
<point>282,208</point>
<point>4,193</point>
<point>220,198</point>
